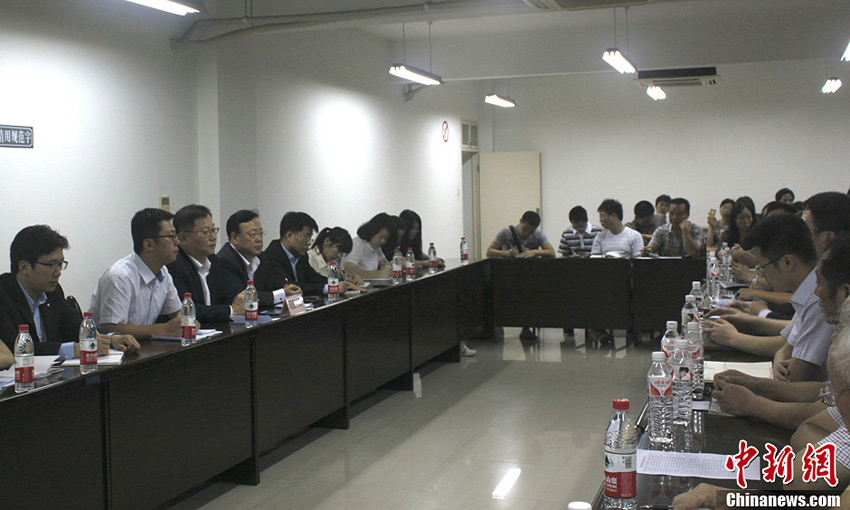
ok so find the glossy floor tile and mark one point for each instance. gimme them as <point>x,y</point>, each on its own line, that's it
<point>535,411</point>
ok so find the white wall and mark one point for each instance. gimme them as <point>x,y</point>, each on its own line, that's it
<point>114,127</point>
<point>765,126</point>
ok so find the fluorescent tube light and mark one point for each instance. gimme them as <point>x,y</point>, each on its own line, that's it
<point>167,6</point>
<point>656,93</point>
<point>411,73</point>
<point>507,483</point>
<point>831,86</point>
<point>846,56</point>
<point>618,61</point>
<point>497,100</point>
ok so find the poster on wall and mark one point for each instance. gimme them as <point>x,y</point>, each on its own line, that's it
<point>16,136</point>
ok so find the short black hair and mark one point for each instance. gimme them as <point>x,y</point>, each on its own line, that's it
<point>610,206</point>
<point>835,264</point>
<point>145,225</point>
<point>578,213</point>
<point>784,191</point>
<point>727,201</point>
<point>682,201</point>
<point>33,242</point>
<point>338,236</point>
<point>830,211</point>
<point>378,222</point>
<point>643,209</point>
<point>779,206</point>
<point>662,198</point>
<point>185,217</point>
<point>295,221</point>
<point>785,234</point>
<point>239,217</point>
<point>530,218</point>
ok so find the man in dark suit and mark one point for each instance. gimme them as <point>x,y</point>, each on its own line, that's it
<point>197,270</point>
<point>240,257</point>
<point>31,295</point>
<point>285,260</point>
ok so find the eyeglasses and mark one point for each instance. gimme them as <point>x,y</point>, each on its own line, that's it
<point>760,268</point>
<point>173,236</point>
<point>59,265</point>
<point>206,232</point>
<point>253,234</point>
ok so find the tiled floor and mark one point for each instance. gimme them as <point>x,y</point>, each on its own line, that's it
<point>541,407</point>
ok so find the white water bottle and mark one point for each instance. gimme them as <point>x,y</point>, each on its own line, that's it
<point>397,263</point>
<point>724,258</point>
<point>708,258</point>
<point>713,279</point>
<point>333,283</point>
<point>620,459</point>
<point>252,306</point>
<point>432,259</point>
<point>668,341</point>
<point>464,251</point>
<point>410,266</point>
<point>24,360</point>
<point>682,367</point>
<point>695,348</point>
<point>659,381</point>
<point>697,293</point>
<point>88,344</point>
<point>187,320</point>
<point>689,313</point>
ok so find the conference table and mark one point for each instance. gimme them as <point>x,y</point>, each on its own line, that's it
<point>169,418</point>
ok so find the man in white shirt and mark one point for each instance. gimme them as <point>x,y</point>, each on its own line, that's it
<point>617,240</point>
<point>138,289</point>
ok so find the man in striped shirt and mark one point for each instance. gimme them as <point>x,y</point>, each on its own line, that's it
<point>577,240</point>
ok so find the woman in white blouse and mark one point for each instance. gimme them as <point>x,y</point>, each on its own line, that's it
<point>366,258</point>
<point>330,245</point>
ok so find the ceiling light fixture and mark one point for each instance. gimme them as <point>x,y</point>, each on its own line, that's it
<point>408,72</point>
<point>497,100</point>
<point>613,56</point>
<point>170,6</point>
<point>846,56</point>
<point>656,93</point>
<point>831,86</point>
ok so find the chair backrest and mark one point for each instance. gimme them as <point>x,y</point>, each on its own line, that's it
<point>72,302</point>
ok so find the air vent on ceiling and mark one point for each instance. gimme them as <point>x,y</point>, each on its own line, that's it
<point>577,5</point>
<point>688,77</point>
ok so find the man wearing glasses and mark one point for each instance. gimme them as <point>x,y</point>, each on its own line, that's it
<point>31,295</point>
<point>137,290</point>
<point>197,270</point>
<point>240,256</point>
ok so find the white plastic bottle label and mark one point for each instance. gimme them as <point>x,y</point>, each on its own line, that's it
<point>620,475</point>
<point>661,387</point>
<point>252,311</point>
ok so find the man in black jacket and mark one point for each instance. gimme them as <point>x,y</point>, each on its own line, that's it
<point>31,295</point>
<point>240,257</point>
<point>197,270</point>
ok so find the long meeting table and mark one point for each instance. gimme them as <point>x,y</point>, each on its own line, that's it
<point>170,418</point>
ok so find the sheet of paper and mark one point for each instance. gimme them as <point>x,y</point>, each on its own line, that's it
<point>701,465</point>
<point>701,405</point>
<point>755,369</point>
<point>201,334</point>
<point>43,366</point>
<point>115,357</point>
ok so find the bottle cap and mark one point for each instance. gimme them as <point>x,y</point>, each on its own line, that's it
<point>696,285</point>
<point>250,282</point>
<point>711,253</point>
<point>87,314</point>
<point>23,328</point>
<point>432,244</point>
<point>464,238</point>
<point>693,326</point>
<point>658,356</point>
<point>333,262</point>
<point>187,295</point>
<point>621,404</point>
<point>672,325</point>
<point>690,298</point>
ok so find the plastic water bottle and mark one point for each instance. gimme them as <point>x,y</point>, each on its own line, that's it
<point>689,313</point>
<point>620,459</point>
<point>713,279</point>
<point>187,320</point>
<point>88,345</point>
<point>333,283</point>
<point>682,367</point>
<point>724,258</point>
<point>397,263</point>
<point>668,341</point>
<point>410,266</point>
<point>697,293</point>
<point>432,259</point>
<point>708,258</point>
<point>694,338</point>
<point>24,360</point>
<point>252,306</point>
<point>659,381</point>
<point>464,252</point>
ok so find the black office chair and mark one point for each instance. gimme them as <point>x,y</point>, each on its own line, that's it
<point>72,302</point>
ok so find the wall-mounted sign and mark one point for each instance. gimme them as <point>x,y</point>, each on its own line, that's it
<point>16,136</point>
<point>445,130</point>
